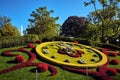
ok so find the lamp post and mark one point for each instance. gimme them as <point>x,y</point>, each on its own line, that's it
<point>117,40</point>
<point>36,74</point>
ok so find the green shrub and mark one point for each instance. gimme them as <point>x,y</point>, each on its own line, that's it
<point>31,38</point>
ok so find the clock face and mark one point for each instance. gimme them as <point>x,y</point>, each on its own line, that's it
<point>71,54</point>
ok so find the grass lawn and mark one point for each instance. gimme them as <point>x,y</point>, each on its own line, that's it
<point>27,74</point>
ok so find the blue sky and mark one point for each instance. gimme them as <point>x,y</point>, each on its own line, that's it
<point>19,10</point>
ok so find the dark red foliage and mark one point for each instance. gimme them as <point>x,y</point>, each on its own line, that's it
<point>118,70</point>
<point>111,71</point>
<point>53,70</point>
<point>32,56</point>
<point>74,26</point>
<point>62,51</point>
<point>114,62</point>
<point>19,59</point>
<point>21,49</point>
<point>78,54</point>
<point>38,41</point>
<point>30,45</point>
<point>42,67</point>
<point>8,53</point>
<point>105,51</point>
<point>114,54</point>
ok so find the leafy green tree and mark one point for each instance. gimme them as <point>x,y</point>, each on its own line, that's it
<point>74,26</point>
<point>9,30</point>
<point>6,28</point>
<point>42,23</point>
<point>105,18</point>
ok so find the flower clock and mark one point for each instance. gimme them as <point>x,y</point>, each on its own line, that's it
<point>71,56</point>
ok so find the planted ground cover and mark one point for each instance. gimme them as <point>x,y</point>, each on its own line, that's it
<point>32,62</point>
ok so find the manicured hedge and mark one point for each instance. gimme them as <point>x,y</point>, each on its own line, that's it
<point>110,46</point>
<point>12,41</point>
<point>68,39</point>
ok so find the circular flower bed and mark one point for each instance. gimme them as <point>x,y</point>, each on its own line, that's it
<point>64,50</point>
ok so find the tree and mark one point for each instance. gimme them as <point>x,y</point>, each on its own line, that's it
<point>6,28</point>
<point>9,30</point>
<point>105,18</point>
<point>74,26</point>
<point>3,21</point>
<point>42,23</point>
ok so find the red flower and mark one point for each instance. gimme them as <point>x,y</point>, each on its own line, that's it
<point>111,71</point>
<point>30,45</point>
<point>53,70</point>
<point>118,70</point>
<point>105,51</point>
<point>19,59</point>
<point>114,62</point>
<point>114,54</point>
<point>8,53</point>
<point>42,67</point>
<point>38,41</point>
<point>62,51</point>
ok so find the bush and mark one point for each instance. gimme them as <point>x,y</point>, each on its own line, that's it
<point>42,67</point>
<point>111,72</point>
<point>19,59</point>
<point>38,41</point>
<point>114,54</point>
<point>31,38</point>
<point>30,45</point>
<point>114,62</point>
